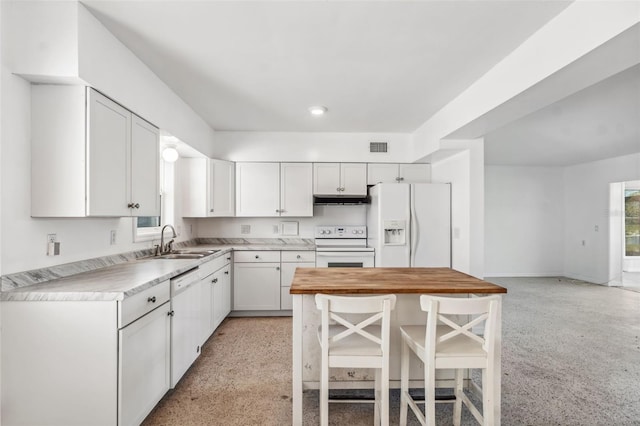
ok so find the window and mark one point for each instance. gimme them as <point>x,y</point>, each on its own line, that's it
<point>632,222</point>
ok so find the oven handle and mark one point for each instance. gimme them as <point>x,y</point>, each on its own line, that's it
<point>344,254</point>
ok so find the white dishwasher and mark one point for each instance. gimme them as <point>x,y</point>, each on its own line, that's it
<point>185,322</point>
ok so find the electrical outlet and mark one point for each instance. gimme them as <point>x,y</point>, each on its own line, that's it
<point>245,229</point>
<point>190,229</point>
<point>52,238</point>
<point>276,229</point>
<point>113,237</point>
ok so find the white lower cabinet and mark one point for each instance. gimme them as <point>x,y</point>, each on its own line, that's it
<point>290,261</point>
<point>216,294</point>
<point>81,363</point>
<point>221,295</point>
<point>144,359</point>
<point>256,281</point>
<point>186,334</point>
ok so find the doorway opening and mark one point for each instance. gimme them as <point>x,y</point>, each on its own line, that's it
<point>624,235</point>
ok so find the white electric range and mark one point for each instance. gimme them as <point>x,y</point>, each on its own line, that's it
<point>343,246</point>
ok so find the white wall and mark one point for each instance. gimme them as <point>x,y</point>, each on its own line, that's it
<point>587,200</point>
<point>62,42</point>
<point>524,217</point>
<point>326,147</point>
<point>462,164</point>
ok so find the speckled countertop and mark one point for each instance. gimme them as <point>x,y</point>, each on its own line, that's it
<point>120,280</point>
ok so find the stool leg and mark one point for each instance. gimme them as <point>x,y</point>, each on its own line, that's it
<point>488,410</point>
<point>429,394</point>
<point>324,393</point>
<point>384,395</point>
<point>404,383</point>
<point>457,407</point>
<point>376,392</point>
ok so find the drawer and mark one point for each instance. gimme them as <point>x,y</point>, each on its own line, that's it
<point>135,306</point>
<point>299,256</point>
<point>213,265</point>
<point>256,256</point>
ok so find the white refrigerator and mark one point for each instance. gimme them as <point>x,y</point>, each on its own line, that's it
<point>410,224</point>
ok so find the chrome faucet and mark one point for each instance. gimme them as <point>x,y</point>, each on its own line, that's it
<point>166,248</point>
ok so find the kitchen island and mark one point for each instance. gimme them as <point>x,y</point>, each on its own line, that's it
<point>406,283</point>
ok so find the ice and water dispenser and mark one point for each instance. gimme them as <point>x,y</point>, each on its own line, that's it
<point>395,232</point>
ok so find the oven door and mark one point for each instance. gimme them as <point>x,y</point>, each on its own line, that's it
<point>344,259</point>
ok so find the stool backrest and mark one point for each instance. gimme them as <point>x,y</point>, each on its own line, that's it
<point>483,312</point>
<point>379,306</point>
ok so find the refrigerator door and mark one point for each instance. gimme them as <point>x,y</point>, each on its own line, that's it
<point>389,203</point>
<point>431,225</point>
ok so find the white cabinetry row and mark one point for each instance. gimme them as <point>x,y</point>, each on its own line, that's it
<point>280,189</point>
<point>90,156</point>
<point>105,362</point>
<point>261,279</point>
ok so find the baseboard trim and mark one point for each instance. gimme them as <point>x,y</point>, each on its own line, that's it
<point>522,274</point>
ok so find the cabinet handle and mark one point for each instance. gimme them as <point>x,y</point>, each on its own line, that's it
<point>278,211</point>
<point>151,299</point>
<point>226,272</point>
<point>211,210</point>
<point>136,205</point>
<point>283,211</point>
<point>298,257</point>
<point>257,257</point>
<point>228,258</point>
<point>215,280</point>
<point>401,178</point>
<point>277,268</point>
<point>130,205</point>
<point>338,189</point>
<point>170,313</point>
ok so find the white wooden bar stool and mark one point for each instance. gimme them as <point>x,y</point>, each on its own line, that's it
<point>356,344</point>
<point>444,344</point>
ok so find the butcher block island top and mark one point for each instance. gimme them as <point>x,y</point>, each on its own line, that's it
<point>387,281</point>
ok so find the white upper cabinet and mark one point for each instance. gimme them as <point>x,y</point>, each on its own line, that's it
<point>274,189</point>
<point>91,156</point>
<point>296,197</point>
<point>348,179</point>
<point>222,191</point>
<point>145,165</point>
<point>392,173</point>
<point>208,187</point>
<point>257,189</point>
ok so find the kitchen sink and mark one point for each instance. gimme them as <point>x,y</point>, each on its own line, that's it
<point>186,254</point>
<point>181,256</point>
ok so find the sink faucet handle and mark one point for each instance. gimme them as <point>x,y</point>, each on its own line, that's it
<point>156,250</point>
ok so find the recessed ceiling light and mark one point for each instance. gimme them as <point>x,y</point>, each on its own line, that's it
<point>318,110</point>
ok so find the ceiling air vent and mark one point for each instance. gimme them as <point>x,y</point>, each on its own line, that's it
<point>377,147</point>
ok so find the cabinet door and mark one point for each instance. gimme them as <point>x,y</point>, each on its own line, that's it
<point>257,189</point>
<point>354,178</point>
<point>207,301</point>
<point>326,179</point>
<point>381,173</point>
<point>288,271</point>
<point>145,173</point>
<point>415,173</point>
<point>221,296</point>
<point>144,365</point>
<point>193,186</point>
<point>108,168</point>
<point>221,188</point>
<point>296,189</point>
<point>256,286</point>
<point>185,331</point>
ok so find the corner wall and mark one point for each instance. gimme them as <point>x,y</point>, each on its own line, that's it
<point>524,217</point>
<point>587,200</point>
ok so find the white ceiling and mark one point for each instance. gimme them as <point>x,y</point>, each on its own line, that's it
<point>379,66</point>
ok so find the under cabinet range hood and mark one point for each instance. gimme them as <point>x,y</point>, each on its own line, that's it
<point>323,200</point>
